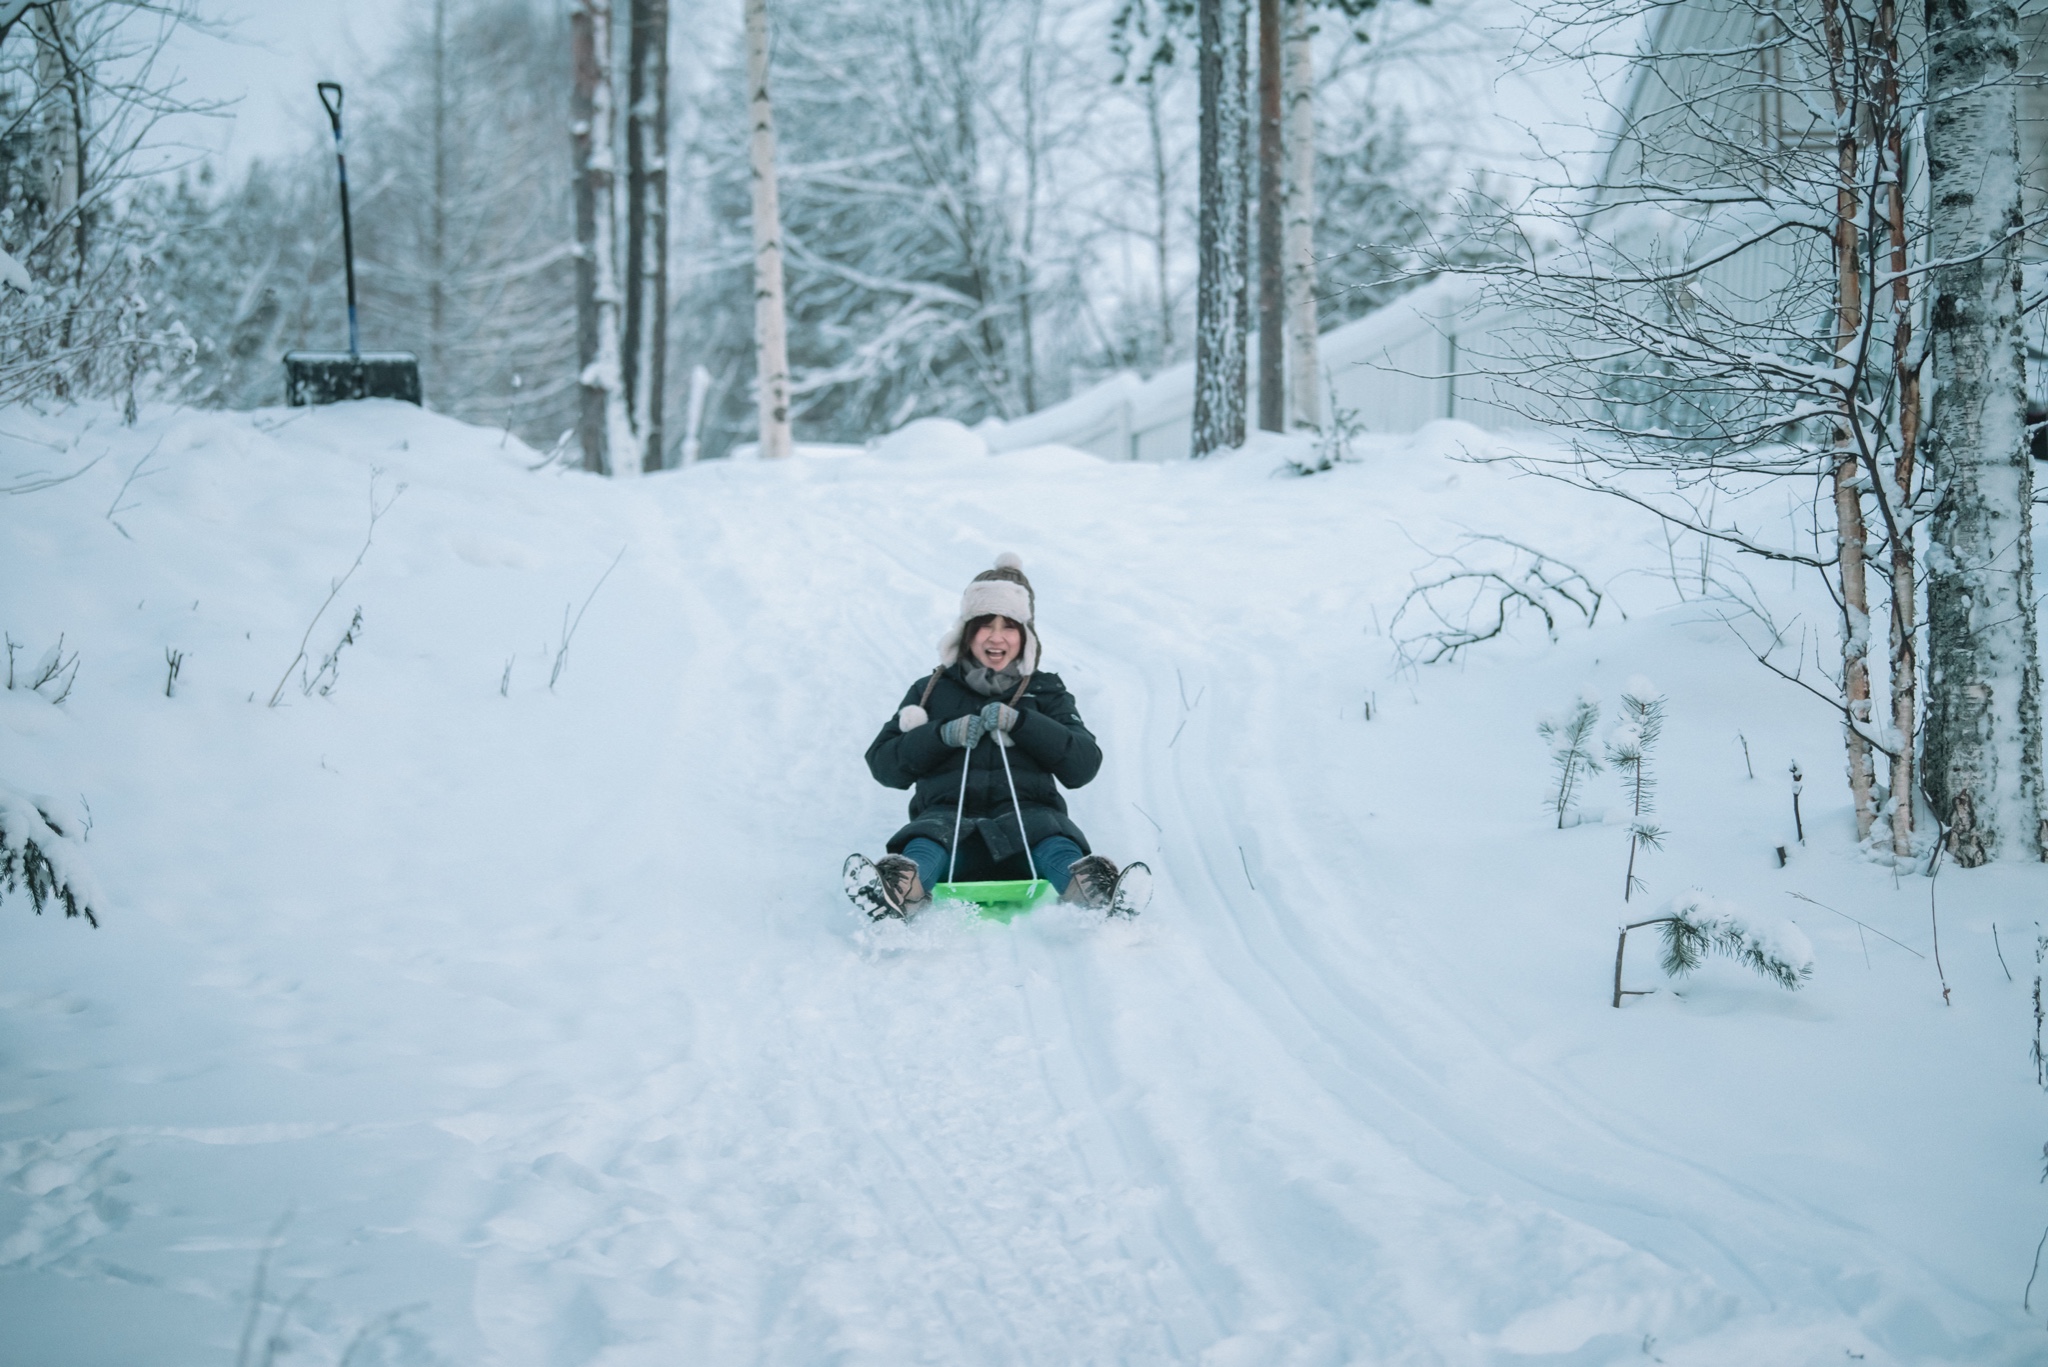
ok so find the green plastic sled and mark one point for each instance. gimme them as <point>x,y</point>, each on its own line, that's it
<point>1003,901</point>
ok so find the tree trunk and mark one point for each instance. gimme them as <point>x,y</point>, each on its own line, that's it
<point>437,228</point>
<point>1033,173</point>
<point>771,347</point>
<point>1850,531</point>
<point>61,88</point>
<point>588,71</point>
<point>1220,251</point>
<point>1272,247</point>
<point>1304,380</point>
<point>607,373</point>
<point>1983,730</point>
<point>1162,207</point>
<point>1905,659</point>
<point>647,224</point>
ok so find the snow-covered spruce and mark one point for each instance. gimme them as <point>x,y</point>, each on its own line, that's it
<point>1697,925</point>
<point>40,858</point>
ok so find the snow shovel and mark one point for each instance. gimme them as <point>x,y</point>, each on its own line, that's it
<point>314,377</point>
<point>1006,899</point>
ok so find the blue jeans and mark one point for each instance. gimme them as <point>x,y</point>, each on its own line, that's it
<point>1054,856</point>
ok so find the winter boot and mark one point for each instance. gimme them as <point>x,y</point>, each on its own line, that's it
<point>1133,890</point>
<point>901,883</point>
<point>890,890</point>
<point>1091,882</point>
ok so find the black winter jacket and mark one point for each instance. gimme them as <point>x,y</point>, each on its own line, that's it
<point>1051,743</point>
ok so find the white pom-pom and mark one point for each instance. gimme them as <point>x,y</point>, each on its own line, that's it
<point>911,717</point>
<point>1010,560</point>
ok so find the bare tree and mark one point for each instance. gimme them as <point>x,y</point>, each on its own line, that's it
<point>82,90</point>
<point>1753,296</point>
<point>771,346</point>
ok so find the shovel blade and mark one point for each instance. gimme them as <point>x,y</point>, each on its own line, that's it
<point>316,377</point>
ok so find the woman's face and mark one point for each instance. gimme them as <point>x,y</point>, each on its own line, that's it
<point>997,643</point>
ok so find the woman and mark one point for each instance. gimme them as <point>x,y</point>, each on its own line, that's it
<point>988,685</point>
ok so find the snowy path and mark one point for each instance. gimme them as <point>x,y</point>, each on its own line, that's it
<point>541,1015</point>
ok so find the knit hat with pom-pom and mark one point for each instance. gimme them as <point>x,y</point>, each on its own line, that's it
<point>1004,592</point>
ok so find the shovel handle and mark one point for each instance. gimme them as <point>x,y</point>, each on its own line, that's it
<point>332,106</point>
<point>348,241</point>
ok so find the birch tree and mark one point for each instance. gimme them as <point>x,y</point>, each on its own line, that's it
<point>1272,247</point>
<point>1983,760</point>
<point>1304,388</point>
<point>771,345</point>
<point>646,321</point>
<point>1221,282</point>
<point>610,445</point>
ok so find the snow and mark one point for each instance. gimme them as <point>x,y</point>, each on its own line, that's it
<point>531,1028</point>
<point>13,273</point>
<point>932,439</point>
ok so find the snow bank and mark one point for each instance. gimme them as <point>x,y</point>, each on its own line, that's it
<point>932,439</point>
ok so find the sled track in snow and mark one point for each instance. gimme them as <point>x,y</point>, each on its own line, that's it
<point>587,1055</point>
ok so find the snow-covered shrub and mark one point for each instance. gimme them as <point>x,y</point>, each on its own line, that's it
<point>1467,596</point>
<point>1333,442</point>
<point>1571,751</point>
<point>36,856</point>
<point>52,676</point>
<point>1697,925</point>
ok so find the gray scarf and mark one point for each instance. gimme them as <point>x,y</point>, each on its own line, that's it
<point>991,684</point>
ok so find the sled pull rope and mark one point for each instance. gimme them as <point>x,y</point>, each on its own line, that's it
<point>959,810</point>
<point>1004,751</point>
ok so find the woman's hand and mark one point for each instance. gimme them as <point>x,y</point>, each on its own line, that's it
<point>963,733</point>
<point>998,717</point>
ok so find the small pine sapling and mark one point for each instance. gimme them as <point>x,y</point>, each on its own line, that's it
<point>37,857</point>
<point>1571,752</point>
<point>176,660</point>
<point>1695,927</point>
<point>1630,750</point>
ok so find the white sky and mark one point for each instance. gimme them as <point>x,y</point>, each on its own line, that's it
<point>277,50</point>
